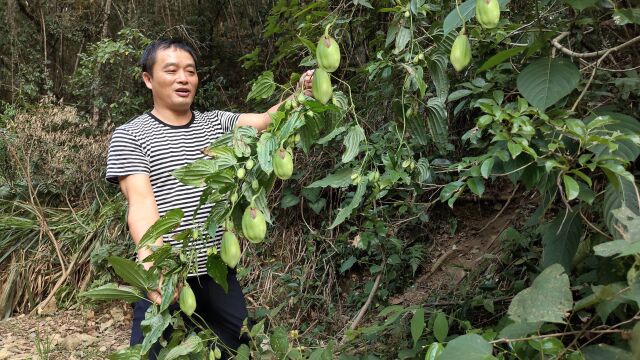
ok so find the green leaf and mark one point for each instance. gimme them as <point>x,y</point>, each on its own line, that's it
<point>467,347</point>
<point>192,344</point>
<point>339,179</point>
<point>347,264</point>
<point>402,38</point>
<point>438,123</point>
<point>500,57</point>
<point>352,143</point>
<point>154,327</point>
<point>626,16</point>
<point>217,269</point>
<point>330,136</point>
<point>114,292</point>
<point>605,352</point>
<point>289,199</point>
<point>437,64</point>
<point>279,342</point>
<point>133,273</point>
<point>263,87</point>
<point>224,155</point>
<point>434,351</point>
<point>291,125</point>
<point>544,82</point>
<point>625,124</point>
<point>560,238</point>
<point>476,185</point>
<point>165,224</point>
<point>487,166</point>
<point>194,173</point>
<point>244,353</point>
<point>548,299</point>
<point>467,10</point>
<point>581,4</point>
<point>629,224</point>
<point>440,326</point>
<point>625,196</point>
<point>129,353</point>
<point>417,128</point>
<point>243,138</point>
<point>519,330</point>
<point>417,325</point>
<point>168,287</point>
<point>266,147</point>
<point>571,188</point>
<point>345,212</point>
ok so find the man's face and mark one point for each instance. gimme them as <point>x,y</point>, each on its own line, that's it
<point>173,79</point>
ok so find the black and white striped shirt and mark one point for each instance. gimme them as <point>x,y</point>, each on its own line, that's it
<point>146,145</point>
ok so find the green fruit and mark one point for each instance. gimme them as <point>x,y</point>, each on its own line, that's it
<point>460,52</point>
<point>301,98</point>
<point>255,185</point>
<point>328,53</point>
<point>421,56</point>
<point>187,300</point>
<point>230,249</point>
<point>296,139</point>
<point>234,197</point>
<point>407,14</point>
<point>240,173</point>
<point>217,353</point>
<point>488,13</point>
<point>254,226</point>
<point>282,163</point>
<point>249,165</point>
<point>321,86</point>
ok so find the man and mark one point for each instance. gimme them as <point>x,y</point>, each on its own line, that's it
<point>143,153</point>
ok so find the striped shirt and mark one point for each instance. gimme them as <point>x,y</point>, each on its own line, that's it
<point>146,145</point>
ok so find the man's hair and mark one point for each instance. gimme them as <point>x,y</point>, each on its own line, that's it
<point>148,58</point>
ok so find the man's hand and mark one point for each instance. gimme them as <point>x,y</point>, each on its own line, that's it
<point>156,295</point>
<point>305,82</point>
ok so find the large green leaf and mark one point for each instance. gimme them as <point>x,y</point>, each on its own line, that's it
<point>467,347</point>
<point>440,326</point>
<point>605,352</point>
<point>545,81</point>
<point>417,325</point>
<point>194,174</point>
<point>581,4</point>
<point>339,179</point>
<point>279,341</point>
<point>437,65</point>
<point>500,57</point>
<point>153,328</point>
<point>438,123</point>
<point>560,238</point>
<point>548,299</point>
<point>352,143</point>
<point>629,224</point>
<point>162,226</point>
<point>263,87</point>
<point>129,353</point>
<point>614,198</point>
<point>133,273</point>
<point>217,269</point>
<point>467,10</point>
<point>266,147</point>
<point>345,212</point>
<point>190,345</point>
<point>627,149</point>
<point>114,292</point>
<point>417,128</point>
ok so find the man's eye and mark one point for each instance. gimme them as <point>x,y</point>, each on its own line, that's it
<point>171,71</point>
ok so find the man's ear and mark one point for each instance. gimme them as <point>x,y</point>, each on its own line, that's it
<point>147,80</point>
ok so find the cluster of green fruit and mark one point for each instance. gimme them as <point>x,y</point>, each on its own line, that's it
<point>328,58</point>
<point>488,15</point>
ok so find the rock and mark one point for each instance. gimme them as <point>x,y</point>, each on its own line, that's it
<point>117,314</point>
<point>74,341</point>
<point>4,354</point>
<point>90,314</point>
<point>106,325</point>
<point>102,349</point>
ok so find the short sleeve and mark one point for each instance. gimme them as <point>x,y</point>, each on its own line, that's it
<point>125,156</point>
<point>227,119</point>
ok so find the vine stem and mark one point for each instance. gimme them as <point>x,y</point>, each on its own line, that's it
<point>597,63</point>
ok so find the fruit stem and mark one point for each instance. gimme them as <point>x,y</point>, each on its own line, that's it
<point>326,29</point>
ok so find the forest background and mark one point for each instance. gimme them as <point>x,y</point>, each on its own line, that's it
<point>488,212</point>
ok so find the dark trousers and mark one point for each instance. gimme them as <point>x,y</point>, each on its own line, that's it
<point>223,312</point>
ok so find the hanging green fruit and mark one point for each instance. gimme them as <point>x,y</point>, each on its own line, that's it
<point>230,249</point>
<point>254,226</point>
<point>187,300</point>
<point>321,86</point>
<point>488,13</point>
<point>460,52</point>
<point>328,53</point>
<point>282,163</point>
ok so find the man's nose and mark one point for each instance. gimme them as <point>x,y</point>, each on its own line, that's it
<point>182,77</point>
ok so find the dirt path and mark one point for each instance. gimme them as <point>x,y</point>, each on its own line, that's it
<point>70,334</point>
